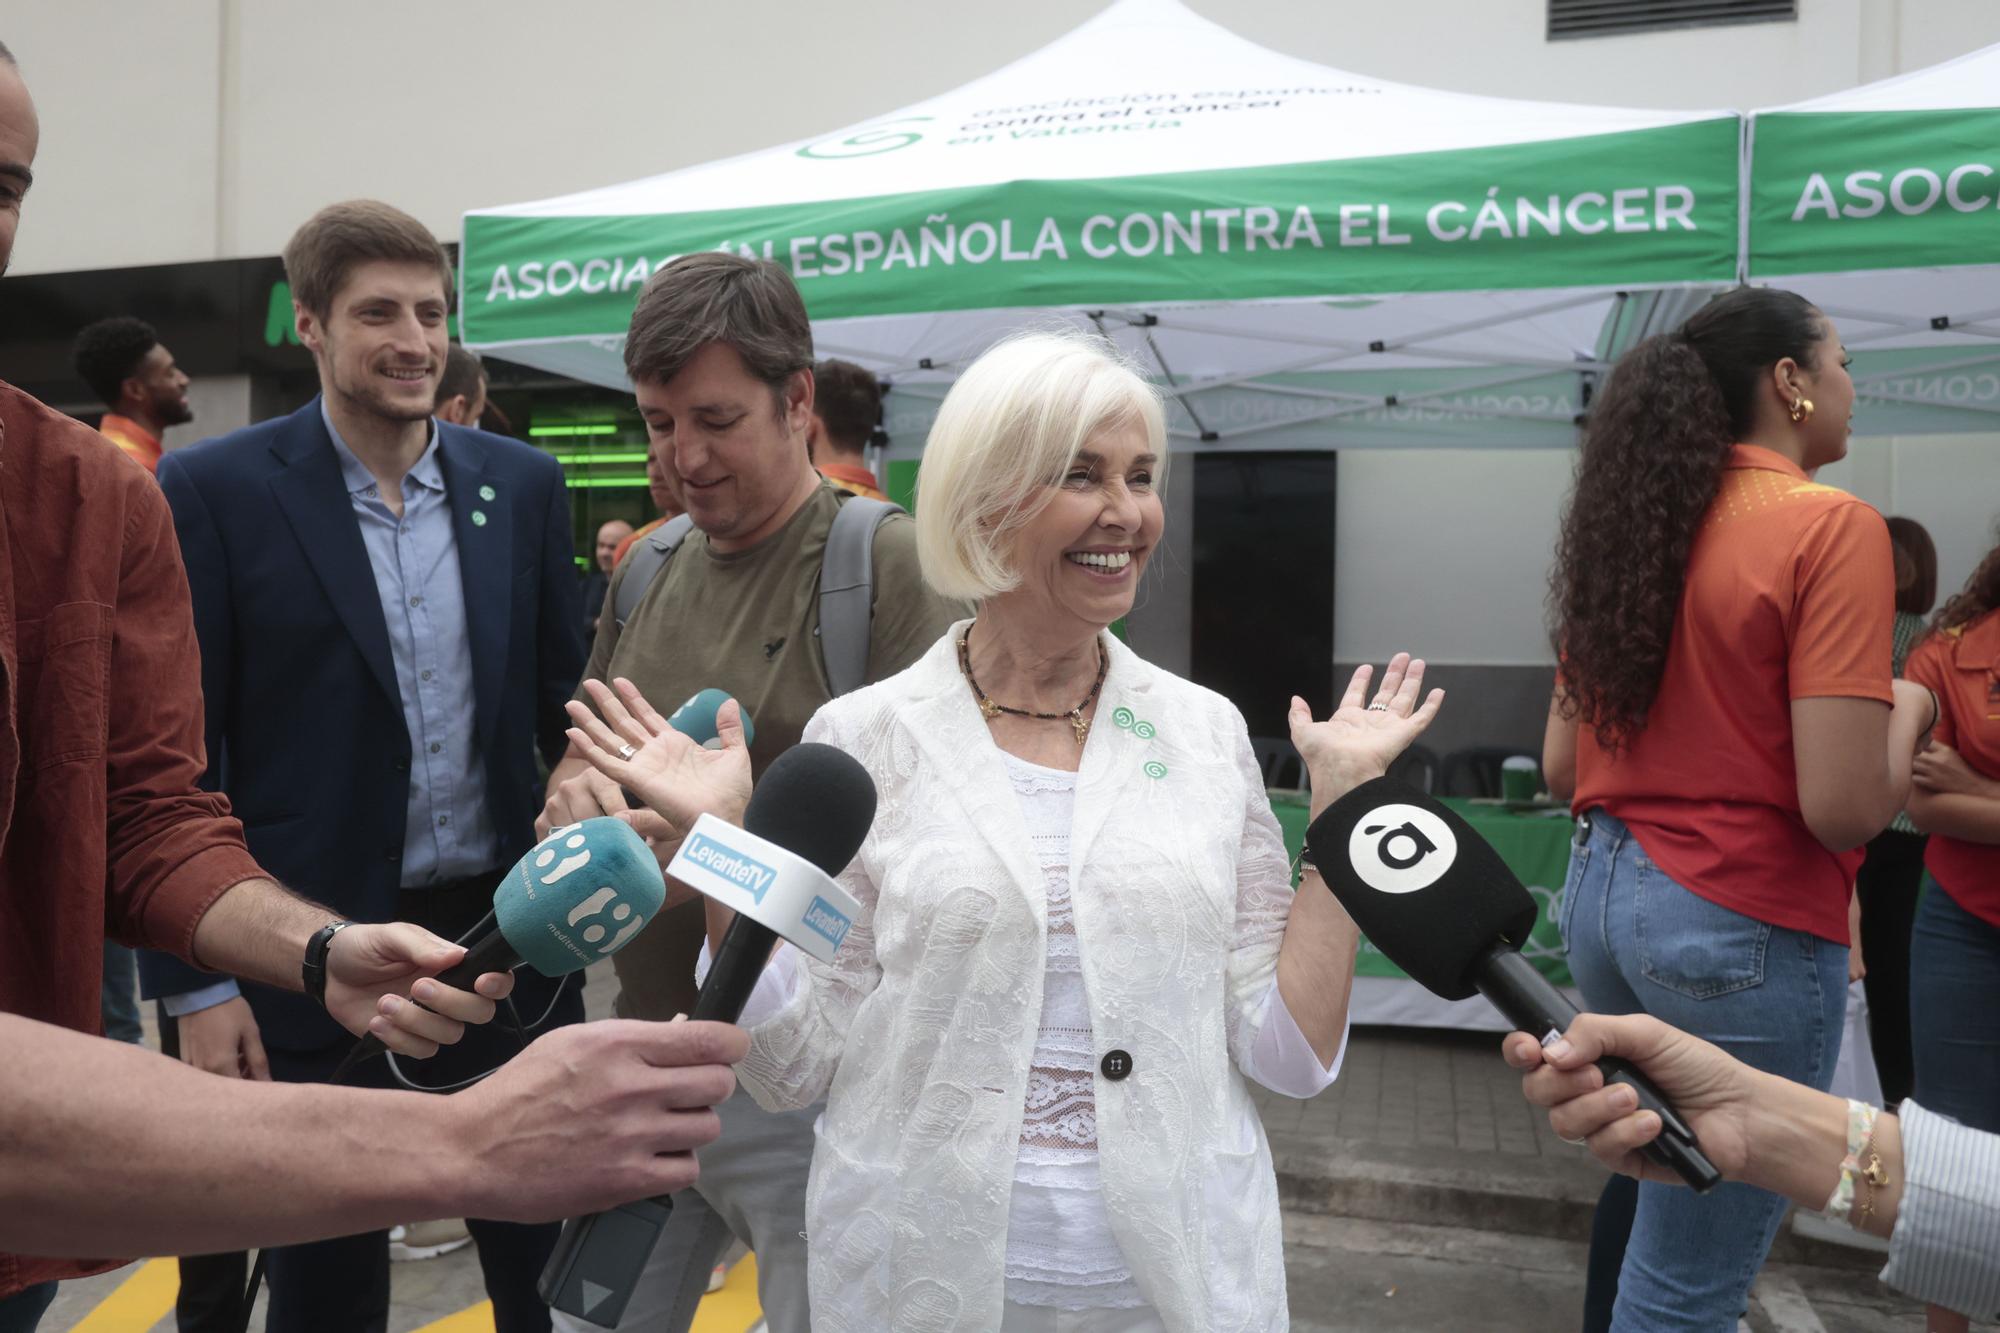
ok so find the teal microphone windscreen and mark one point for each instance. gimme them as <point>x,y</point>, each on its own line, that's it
<point>579,895</point>
<point>695,719</point>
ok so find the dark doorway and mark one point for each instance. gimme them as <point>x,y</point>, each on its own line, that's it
<point>1263,582</point>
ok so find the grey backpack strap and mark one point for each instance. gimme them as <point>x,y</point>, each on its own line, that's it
<point>847,591</point>
<point>644,562</point>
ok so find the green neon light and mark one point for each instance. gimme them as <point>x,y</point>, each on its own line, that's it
<point>605,483</point>
<point>606,429</point>
<point>605,457</point>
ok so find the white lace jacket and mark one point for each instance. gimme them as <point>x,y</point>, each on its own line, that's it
<point>921,1031</point>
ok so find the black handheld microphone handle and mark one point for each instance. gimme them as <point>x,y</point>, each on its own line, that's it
<point>1531,1003</point>
<point>487,952</point>
<point>597,1261</point>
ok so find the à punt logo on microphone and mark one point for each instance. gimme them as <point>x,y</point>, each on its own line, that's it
<point>1401,848</point>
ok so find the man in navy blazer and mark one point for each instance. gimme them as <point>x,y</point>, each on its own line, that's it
<point>387,609</point>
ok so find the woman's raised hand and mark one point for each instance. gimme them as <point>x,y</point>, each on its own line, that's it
<point>1363,736</point>
<point>628,741</point>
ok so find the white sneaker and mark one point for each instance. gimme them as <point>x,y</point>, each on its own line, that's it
<point>427,1240</point>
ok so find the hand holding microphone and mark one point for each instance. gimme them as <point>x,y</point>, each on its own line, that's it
<point>1434,897</point>
<point>577,896</point>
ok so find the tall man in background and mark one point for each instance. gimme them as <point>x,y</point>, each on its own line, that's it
<point>395,598</point>
<point>132,372</point>
<point>720,355</point>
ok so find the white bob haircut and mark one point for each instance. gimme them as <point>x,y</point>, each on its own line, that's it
<point>1009,430</point>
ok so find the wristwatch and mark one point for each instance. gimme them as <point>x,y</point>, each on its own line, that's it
<point>314,970</point>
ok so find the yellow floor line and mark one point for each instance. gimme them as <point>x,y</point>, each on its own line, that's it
<point>734,1309</point>
<point>140,1301</point>
<point>477,1319</point>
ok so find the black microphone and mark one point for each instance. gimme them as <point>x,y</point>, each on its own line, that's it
<point>1438,901</point>
<point>805,821</point>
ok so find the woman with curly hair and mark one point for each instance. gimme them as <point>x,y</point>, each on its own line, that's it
<point>1727,720</point>
<point>1955,943</point>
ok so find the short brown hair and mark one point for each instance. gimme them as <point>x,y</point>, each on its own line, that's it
<point>848,399</point>
<point>325,250</point>
<point>716,297</point>
<point>1916,566</point>
<point>464,372</point>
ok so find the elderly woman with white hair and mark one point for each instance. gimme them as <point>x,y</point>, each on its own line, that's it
<point>1078,932</point>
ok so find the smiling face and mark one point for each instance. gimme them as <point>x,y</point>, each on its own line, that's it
<point>737,450</point>
<point>1081,557</point>
<point>381,346</point>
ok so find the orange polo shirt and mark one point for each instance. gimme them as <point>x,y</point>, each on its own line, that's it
<point>854,480</point>
<point>618,553</point>
<point>1963,666</point>
<point>133,438</point>
<point>1790,594</point>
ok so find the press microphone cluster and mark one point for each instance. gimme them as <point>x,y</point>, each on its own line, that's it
<point>1438,901</point>
<point>576,896</point>
<point>805,821</point>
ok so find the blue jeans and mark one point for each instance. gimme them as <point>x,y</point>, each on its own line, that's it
<point>1955,1011</point>
<point>118,995</point>
<point>22,1311</point>
<point>1773,998</point>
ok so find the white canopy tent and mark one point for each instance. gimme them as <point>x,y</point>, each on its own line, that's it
<point>1309,257</point>
<point>1881,204</point>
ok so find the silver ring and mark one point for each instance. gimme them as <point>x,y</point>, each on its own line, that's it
<point>1378,708</point>
<point>1575,1143</point>
<point>626,751</point>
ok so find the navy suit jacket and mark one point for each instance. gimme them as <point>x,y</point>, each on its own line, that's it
<point>305,725</point>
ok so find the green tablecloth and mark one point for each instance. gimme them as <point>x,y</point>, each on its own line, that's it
<point>1534,846</point>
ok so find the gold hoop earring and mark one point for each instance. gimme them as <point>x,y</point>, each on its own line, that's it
<point>1800,411</point>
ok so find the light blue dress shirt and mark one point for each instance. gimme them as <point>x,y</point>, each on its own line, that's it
<point>449,832</point>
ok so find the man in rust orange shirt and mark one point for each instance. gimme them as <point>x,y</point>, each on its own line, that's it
<point>103,829</point>
<point>126,365</point>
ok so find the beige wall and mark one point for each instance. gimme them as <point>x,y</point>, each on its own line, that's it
<point>200,129</point>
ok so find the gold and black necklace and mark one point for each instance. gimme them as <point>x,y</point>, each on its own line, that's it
<point>1074,716</point>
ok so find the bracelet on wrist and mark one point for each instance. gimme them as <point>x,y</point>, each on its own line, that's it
<point>313,970</point>
<point>1861,1170</point>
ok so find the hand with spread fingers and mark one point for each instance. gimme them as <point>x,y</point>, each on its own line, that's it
<point>1363,736</point>
<point>628,741</point>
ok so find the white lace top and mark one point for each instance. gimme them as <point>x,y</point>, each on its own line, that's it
<point>1060,1248</point>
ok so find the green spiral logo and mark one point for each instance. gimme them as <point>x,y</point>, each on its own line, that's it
<point>1144,731</point>
<point>879,138</point>
<point>1155,769</point>
<point>1123,717</point>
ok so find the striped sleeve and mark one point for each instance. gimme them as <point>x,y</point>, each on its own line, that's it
<point>1946,1245</point>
